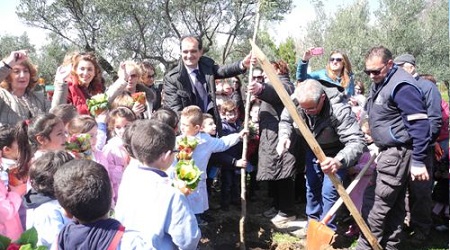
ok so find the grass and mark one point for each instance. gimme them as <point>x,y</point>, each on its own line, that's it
<point>284,238</point>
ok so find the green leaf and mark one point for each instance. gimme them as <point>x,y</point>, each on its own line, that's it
<point>28,237</point>
<point>26,247</point>
<point>4,242</point>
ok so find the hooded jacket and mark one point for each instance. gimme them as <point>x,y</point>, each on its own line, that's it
<point>46,215</point>
<point>96,235</point>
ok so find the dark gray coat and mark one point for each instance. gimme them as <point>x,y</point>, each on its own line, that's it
<point>177,86</point>
<point>336,130</point>
<point>270,165</point>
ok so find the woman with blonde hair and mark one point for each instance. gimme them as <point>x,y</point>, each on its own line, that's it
<point>338,71</point>
<point>18,78</point>
<point>131,72</point>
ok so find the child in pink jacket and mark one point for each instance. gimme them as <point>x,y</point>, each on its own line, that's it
<point>14,157</point>
<point>10,201</point>
<point>116,155</point>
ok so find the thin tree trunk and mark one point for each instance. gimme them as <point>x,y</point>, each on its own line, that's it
<point>245,142</point>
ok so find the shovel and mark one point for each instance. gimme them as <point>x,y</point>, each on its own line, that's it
<point>319,235</point>
<point>312,142</point>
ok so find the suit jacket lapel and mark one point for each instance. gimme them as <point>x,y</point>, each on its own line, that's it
<point>185,80</point>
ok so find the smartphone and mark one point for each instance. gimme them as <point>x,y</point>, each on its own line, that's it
<point>317,51</point>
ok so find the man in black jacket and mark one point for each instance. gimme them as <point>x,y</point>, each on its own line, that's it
<point>192,81</point>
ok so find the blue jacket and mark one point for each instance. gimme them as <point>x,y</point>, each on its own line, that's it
<point>302,74</point>
<point>432,99</point>
<point>397,114</point>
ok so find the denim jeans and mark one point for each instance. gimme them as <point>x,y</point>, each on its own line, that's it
<point>320,191</point>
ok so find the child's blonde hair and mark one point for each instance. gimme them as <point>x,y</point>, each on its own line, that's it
<point>207,116</point>
<point>81,124</point>
<point>124,99</point>
<point>193,114</point>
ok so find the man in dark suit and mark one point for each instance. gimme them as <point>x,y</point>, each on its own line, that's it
<point>192,81</point>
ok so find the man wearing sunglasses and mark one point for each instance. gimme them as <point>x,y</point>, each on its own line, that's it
<point>420,201</point>
<point>400,128</point>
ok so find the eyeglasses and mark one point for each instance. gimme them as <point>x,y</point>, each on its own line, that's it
<point>315,108</point>
<point>310,110</point>
<point>258,78</point>
<point>374,72</point>
<point>335,59</point>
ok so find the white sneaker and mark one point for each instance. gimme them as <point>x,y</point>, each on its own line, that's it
<point>278,219</point>
<point>272,212</point>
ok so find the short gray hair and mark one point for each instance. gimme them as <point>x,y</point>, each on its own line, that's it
<point>309,89</point>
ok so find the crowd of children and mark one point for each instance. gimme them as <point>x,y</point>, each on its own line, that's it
<point>105,196</point>
<point>122,192</point>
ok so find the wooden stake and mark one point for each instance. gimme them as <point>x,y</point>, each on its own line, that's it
<point>311,140</point>
<point>245,142</point>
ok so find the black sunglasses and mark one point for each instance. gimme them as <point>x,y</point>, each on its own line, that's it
<point>374,72</point>
<point>335,59</point>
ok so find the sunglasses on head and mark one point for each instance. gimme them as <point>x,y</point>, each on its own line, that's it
<point>335,59</point>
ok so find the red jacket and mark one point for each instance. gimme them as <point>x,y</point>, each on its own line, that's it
<point>443,135</point>
<point>77,95</point>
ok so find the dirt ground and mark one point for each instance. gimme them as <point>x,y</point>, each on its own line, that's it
<point>222,231</point>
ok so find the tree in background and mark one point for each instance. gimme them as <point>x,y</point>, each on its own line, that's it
<point>418,27</point>
<point>141,29</point>
<point>286,51</point>
<point>51,56</point>
<point>10,43</point>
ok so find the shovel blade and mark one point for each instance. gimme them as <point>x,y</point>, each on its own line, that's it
<point>318,236</point>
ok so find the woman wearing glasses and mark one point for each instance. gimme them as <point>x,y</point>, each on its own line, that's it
<point>338,71</point>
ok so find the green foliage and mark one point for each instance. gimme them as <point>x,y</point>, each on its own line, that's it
<point>4,242</point>
<point>286,52</point>
<point>29,237</point>
<point>10,43</point>
<point>51,56</point>
<point>139,29</point>
<point>404,26</point>
<point>27,241</point>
